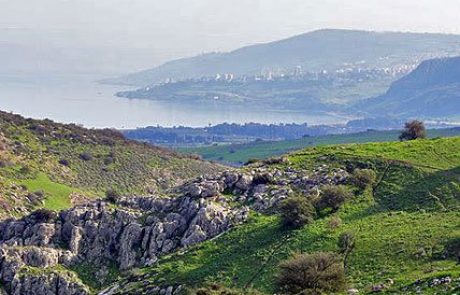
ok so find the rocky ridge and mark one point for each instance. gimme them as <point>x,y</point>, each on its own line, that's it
<point>37,251</point>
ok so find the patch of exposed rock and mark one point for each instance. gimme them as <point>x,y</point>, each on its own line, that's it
<point>133,233</point>
<point>263,188</point>
<point>136,231</point>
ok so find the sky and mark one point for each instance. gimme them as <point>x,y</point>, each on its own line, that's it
<point>120,36</point>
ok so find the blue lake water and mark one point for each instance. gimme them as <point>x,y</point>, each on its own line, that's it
<point>83,101</point>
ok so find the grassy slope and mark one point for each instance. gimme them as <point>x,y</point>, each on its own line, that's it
<point>402,225</point>
<point>31,154</point>
<point>241,153</point>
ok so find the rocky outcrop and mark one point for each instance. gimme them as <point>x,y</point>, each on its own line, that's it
<point>136,231</point>
<point>263,188</point>
<point>133,232</point>
<point>35,270</point>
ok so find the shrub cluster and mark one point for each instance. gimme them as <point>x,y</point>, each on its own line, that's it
<point>297,212</point>
<point>364,178</point>
<point>332,197</point>
<point>317,273</point>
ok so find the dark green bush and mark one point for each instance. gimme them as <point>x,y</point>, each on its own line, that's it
<point>43,215</point>
<point>112,196</point>
<point>317,273</point>
<point>64,162</point>
<point>346,242</point>
<point>86,156</point>
<point>297,211</point>
<point>364,178</point>
<point>332,197</point>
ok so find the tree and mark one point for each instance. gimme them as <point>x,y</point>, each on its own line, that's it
<point>315,273</point>
<point>413,130</point>
<point>332,197</point>
<point>346,245</point>
<point>297,211</point>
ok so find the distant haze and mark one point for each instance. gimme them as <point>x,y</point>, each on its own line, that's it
<point>106,37</point>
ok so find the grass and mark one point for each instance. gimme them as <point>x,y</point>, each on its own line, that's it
<point>402,226</point>
<point>47,156</point>
<point>88,273</point>
<point>57,196</point>
<point>241,153</point>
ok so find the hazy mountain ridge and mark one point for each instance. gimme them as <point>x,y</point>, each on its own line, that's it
<point>315,51</point>
<point>431,90</point>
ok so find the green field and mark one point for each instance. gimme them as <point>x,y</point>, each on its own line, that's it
<point>57,195</point>
<point>402,225</point>
<point>241,153</point>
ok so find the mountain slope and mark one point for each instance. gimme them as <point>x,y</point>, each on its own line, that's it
<point>314,51</point>
<point>43,163</point>
<point>403,226</point>
<point>224,228</point>
<point>431,90</point>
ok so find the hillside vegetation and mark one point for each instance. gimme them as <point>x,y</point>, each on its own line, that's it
<point>43,163</point>
<point>237,154</point>
<point>404,226</point>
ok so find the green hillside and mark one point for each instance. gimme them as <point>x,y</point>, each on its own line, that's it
<point>404,226</point>
<point>241,153</point>
<point>43,163</point>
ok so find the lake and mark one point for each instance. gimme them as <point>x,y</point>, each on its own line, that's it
<point>81,100</point>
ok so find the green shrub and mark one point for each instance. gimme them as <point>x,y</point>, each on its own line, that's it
<point>332,197</point>
<point>112,196</point>
<point>364,178</point>
<point>316,273</point>
<point>346,244</point>
<point>297,211</point>
<point>64,162</point>
<point>335,222</point>
<point>86,156</point>
<point>43,215</point>
<point>216,289</point>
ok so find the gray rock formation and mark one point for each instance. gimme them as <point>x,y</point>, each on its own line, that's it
<point>36,251</point>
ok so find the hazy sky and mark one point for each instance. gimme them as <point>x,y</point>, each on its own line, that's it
<point>114,36</point>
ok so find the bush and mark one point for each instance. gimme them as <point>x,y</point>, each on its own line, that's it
<point>297,212</point>
<point>413,130</point>
<point>335,222</point>
<point>316,273</point>
<point>43,215</point>
<point>452,249</point>
<point>332,197</point>
<point>86,156</point>
<point>108,161</point>
<point>363,178</point>
<point>251,161</point>
<point>112,196</point>
<point>64,162</point>
<point>346,242</point>
<point>216,289</point>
